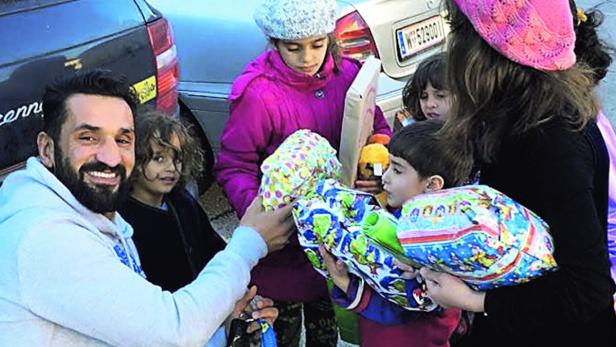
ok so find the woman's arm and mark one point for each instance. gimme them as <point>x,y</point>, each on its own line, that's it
<point>565,184</point>
<point>557,174</point>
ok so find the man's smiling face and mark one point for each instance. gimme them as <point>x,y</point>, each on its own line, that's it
<point>96,150</point>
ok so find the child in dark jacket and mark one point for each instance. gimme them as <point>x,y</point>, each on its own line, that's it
<point>172,233</point>
<point>419,164</point>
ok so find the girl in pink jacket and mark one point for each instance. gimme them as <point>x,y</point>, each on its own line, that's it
<point>299,84</point>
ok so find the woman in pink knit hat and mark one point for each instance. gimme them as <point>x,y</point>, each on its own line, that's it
<point>528,112</point>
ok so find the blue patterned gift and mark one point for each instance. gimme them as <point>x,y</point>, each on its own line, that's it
<point>477,234</point>
<point>348,222</point>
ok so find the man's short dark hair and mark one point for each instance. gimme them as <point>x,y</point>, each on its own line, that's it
<point>93,82</point>
<point>421,145</point>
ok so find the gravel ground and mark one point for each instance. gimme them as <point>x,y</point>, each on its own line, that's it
<point>217,207</point>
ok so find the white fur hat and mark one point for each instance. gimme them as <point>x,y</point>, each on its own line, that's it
<point>296,19</point>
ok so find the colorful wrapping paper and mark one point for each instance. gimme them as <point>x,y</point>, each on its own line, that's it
<point>300,161</point>
<point>477,234</point>
<point>340,218</point>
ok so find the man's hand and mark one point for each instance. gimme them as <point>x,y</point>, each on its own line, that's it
<point>336,268</point>
<point>243,304</point>
<point>275,227</point>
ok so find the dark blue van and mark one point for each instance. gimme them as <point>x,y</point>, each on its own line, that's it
<point>44,39</point>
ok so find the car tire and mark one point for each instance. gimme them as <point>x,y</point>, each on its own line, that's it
<point>207,178</point>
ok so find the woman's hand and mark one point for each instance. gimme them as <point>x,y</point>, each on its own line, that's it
<point>450,291</point>
<point>336,268</point>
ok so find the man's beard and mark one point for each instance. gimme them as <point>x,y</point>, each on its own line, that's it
<point>98,198</point>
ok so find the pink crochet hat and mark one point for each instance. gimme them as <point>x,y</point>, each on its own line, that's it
<point>536,33</point>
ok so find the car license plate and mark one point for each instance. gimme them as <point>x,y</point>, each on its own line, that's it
<point>419,36</point>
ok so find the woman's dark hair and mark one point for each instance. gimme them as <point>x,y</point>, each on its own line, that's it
<point>495,98</point>
<point>430,70</point>
<point>159,128</point>
<point>92,82</point>
<point>332,48</point>
<point>589,49</point>
<point>421,146</point>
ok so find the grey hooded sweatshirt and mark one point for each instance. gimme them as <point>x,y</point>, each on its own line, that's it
<point>71,277</point>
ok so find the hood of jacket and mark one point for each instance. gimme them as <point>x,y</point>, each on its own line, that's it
<point>270,65</point>
<point>36,191</point>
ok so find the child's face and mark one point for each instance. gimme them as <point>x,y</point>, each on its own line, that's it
<point>435,103</point>
<point>161,173</point>
<point>304,55</point>
<point>402,182</point>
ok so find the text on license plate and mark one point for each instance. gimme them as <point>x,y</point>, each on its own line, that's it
<point>419,36</point>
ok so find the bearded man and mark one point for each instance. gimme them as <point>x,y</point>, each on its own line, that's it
<point>69,271</point>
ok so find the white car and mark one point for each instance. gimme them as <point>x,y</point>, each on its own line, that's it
<point>216,39</point>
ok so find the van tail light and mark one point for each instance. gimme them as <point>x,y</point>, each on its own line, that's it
<point>167,70</point>
<point>354,37</point>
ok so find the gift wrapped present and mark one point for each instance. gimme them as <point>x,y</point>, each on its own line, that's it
<point>301,160</point>
<point>478,234</point>
<point>348,222</point>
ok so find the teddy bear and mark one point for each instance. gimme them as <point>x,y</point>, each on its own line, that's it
<point>374,160</point>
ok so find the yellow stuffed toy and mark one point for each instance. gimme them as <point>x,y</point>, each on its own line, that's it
<point>374,160</point>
